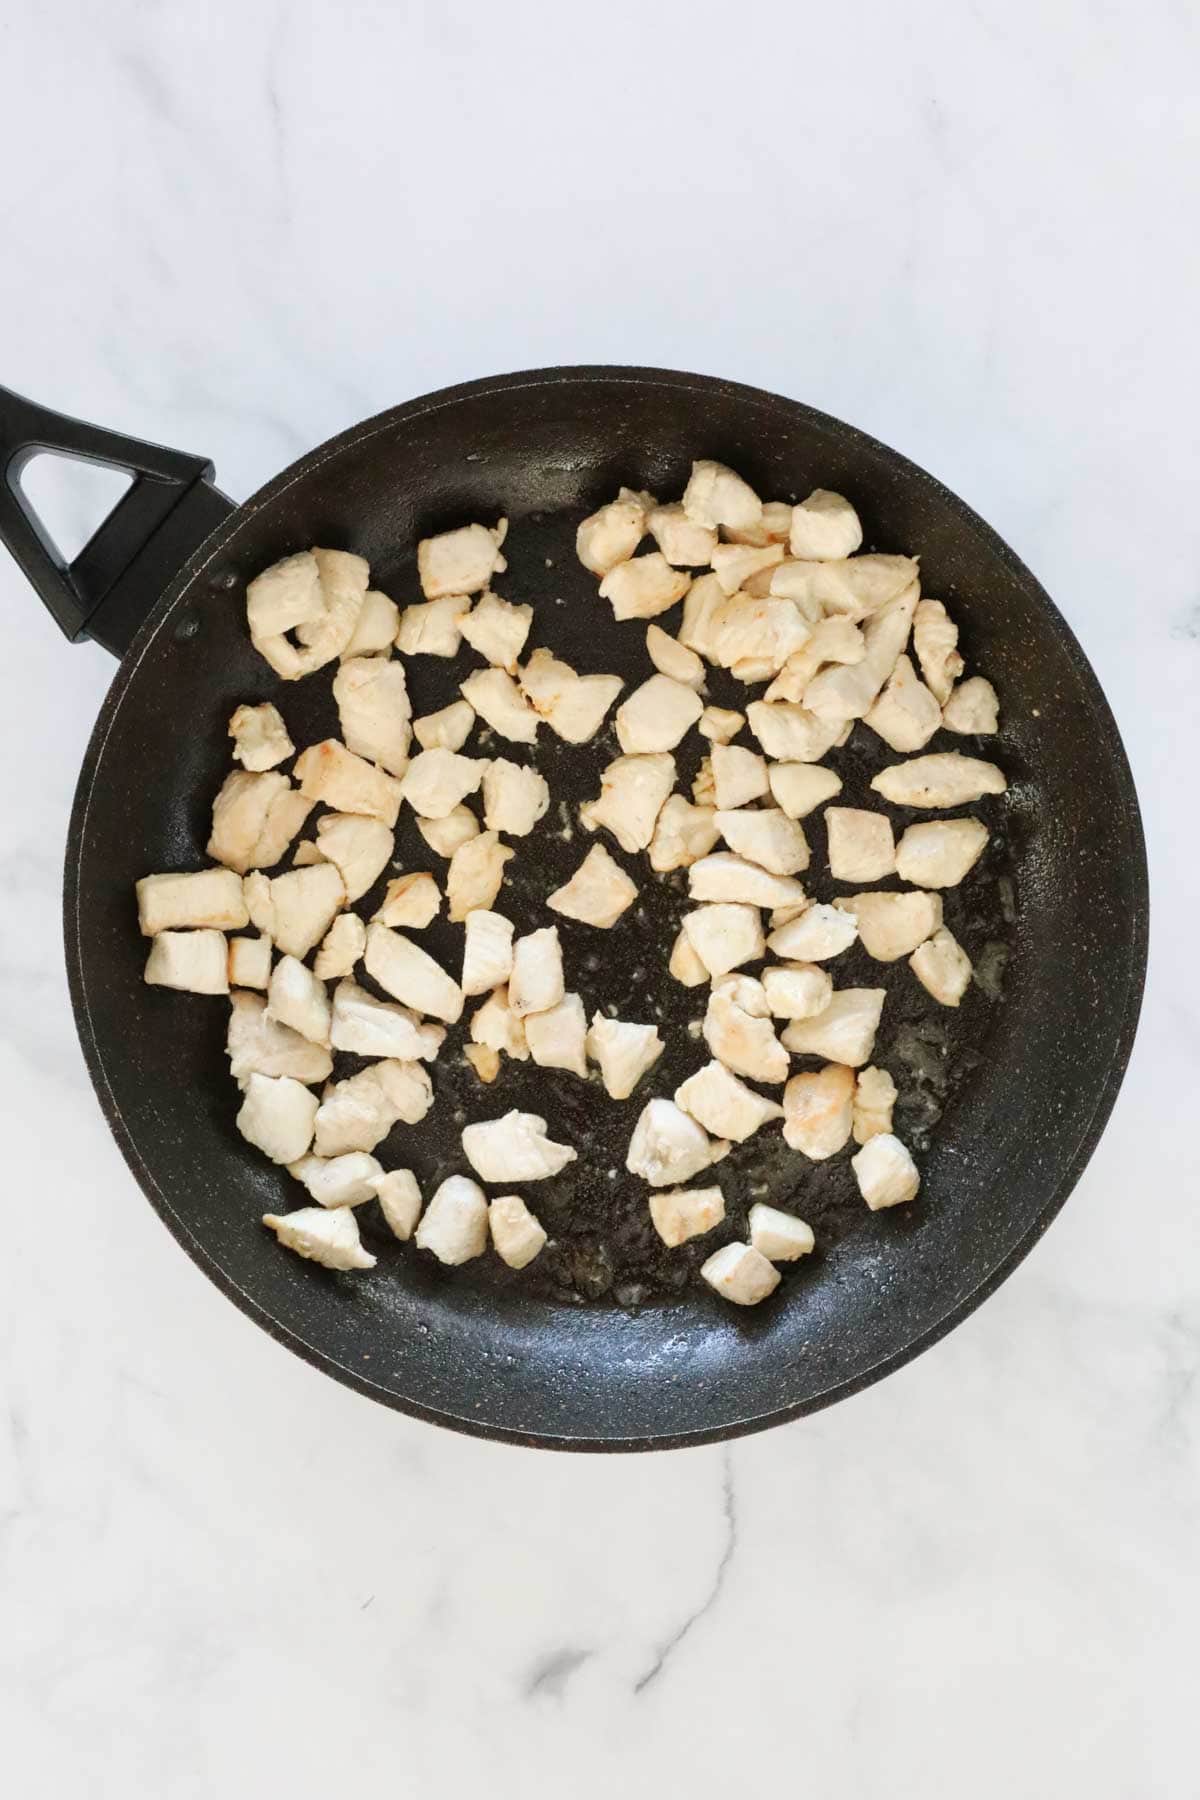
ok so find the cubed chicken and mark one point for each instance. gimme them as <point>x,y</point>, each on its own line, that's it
<point>536,982</point>
<point>725,876</point>
<point>941,780</point>
<point>445,836</point>
<point>399,1201</point>
<point>328,1237</point>
<point>739,776</point>
<point>324,634</point>
<point>341,947</point>
<point>192,962</point>
<point>892,925</point>
<point>487,951</point>
<point>277,1117</point>
<point>720,724</point>
<point>303,905</point>
<point>704,788</point>
<point>739,1032</point>
<point>514,798</point>
<point>378,623</point>
<point>249,962</point>
<point>374,710</point>
<point>796,990</point>
<point>572,705</point>
<point>779,1236</point>
<point>497,699</point>
<point>256,898</point>
<point>365,1026</point>
<point>644,587</point>
<point>296,998</point>
<point>856,586</point>
<point>333,774</point>
<point>940,852</point>
<point>494,1026</point>
<point>434,629</point>
<point>476,874</point>
<point>942,967</point>
<point>517,1236</point>
<point>799,788</point>
<point>726,935</point>
<point>667,1145</point>
<point>861,845</point>
<point>438,780</point>
<point>306,854</point>
<point>885,1172</point>
<point>767,837</point>
<point>684,965</point>
<point>656,716</point>
<point>260,739</point>
<point>284,596</point>
<point>556,1036</point>
<point>448,729</point>
<point>814,935</point>
<point>844,1032</point>
<point>514,1148</point>
<point>410,975</point>
<point>818,1111</point>
<point>716,496</point>
<point>633,790</point>
<point>359,849</point>
<point>833,640</point>
<point>973,709</point>
<point>410,902</point>
<point>682,1213</point>
<point>740,1274</point>
<point>846,691</point>
<point>824,527</point>
<point>683,834</point>
<point>772,528</point>
<point>905,715</point>
<point>258,1045</point>
<point>462,561</point>
<point>254,819</point>
<point>339,1180</point>
<point>623,1051</point>
<point>497,630</point>
<point>754,636</point>
<point>358,1113</point>
<point>455,1223</point>
<point>673,659</point>
<point>935,639</point>
<point>790,733</point>
<point>612,534</point>
<point>702,605</point>
<point>874,1098</point>
<point>724,1105</point>
<point>211,897</point>
<point>684,543</point>
<point>598,892</point>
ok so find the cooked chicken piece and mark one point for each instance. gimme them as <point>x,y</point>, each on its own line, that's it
<point>257,1045</point>
<point>716,496</point>
<point>779,1236</point>
<point>791,733</point>
<point>330,772</point>
<point>624,1052</point>
<point>815,935</point>
<point>277,1117</point>
<point>358,1113</point>
<point>754,637</point>
<point>799,788</point>
<point>514,798</point>
<point>254,819</point>
<point>724,1105</point>
<point>284,596</point>
<point>796,990</point>
<point>484,1060</point>
<point>445,836</point>
<point>973,709</point>
<point>700,606</point>
<point>437,781</point>
<point>739,775</point>
<point>740,1274</point>
<point>611,535</point>
<point>942,967</point>
<point>682,1213</point>
<point>861,845</point>
<point>704,788</point>
<point>935,639</point>
<point>833,640</point>
<point>434,629</point>
<point>656,716</point>
<point>341,947</point>
<point>844,1032</point>
<point>296,998</point>
<point>735,564</point>
<point>719,724</point>
<point>556,1036</point>
<point>667,1145</point>
<point>644,586</point>
<point>857,586</point>
<point>818,1111</point>
<point>249,962</point>
<point>684,544</point>
<point>487,951</point>
<point>766,837</point>
<point>260,738</point>
<point>476,875</point>
<point>906,715</point>
<point>325,633</point>
<point>462,561</point>
<point>193,962</point>
<point>824,528</point>
<point>572,705</point>
<point>212,897</point>
<point>724,936</point>
<point>495,1026</point>
<point>536,982</point>
<point>329,1237</point>
<point>874,1098</point>
<point>497,630</point>
<point>497,699</point>
<point>726,876</point>
<point>739,1033</point>
<point>303,905</point>
<point>256,898</point>
<point>517,1237</point>
<point>772,528</point>
<point>683,834</point>
<point>374,710</point>
<point>941,780</point>
<point>632,792</point>
<point>673,660</point>
<point>455,1223</point>
<point>339,1180</point>
<point>885,1172</point>
<point>410,975</point>
<point>399,1201</point>
<point>410,902</point>
<point>307,856</point>
<point>514,1148</point>
<point>685,965</point>
<point>378,623</point>
<point>598,892</point>
<point>783,915</point>
<point>545,681</point>
<point>369,1027</point>
<point>892,925</point>
<point>940,852</point>
<point>448,729</point>
<point>360,849</point>
<point>848,690</point>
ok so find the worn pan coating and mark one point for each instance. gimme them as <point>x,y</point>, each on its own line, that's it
<point>592,1354</point>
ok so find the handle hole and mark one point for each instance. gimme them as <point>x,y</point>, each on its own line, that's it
<point>71,498</point>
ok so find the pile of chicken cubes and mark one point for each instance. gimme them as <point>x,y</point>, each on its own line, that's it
<point>822,636</point>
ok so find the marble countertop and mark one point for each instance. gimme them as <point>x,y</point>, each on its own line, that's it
<point>238,230</point>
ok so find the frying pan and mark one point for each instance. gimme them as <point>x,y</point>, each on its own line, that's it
<point>607,1350</point>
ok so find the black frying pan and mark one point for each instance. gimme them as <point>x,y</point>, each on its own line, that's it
<point>607,1343</point>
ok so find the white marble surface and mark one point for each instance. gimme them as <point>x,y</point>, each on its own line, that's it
<point>970,230</point>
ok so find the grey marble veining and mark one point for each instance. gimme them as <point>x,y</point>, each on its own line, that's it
<point>968,230</point>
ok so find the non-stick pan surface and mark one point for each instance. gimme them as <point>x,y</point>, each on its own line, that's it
<point>595,1353</point>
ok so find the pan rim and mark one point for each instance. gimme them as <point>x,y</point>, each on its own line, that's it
<point>1133,970</point>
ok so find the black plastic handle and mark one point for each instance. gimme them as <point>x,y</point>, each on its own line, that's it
<point>166,514</point>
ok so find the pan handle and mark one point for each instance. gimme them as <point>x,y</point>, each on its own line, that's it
<point>162,518</point>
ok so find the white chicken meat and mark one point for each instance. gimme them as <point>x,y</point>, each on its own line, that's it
<point>633,790</point>
<point>254,819</point>
<point>454,1226</point>
<point>684,543</point>
<point>818,1111</point>
<point>191,962</point>
<point>725,876</point>
<point>378,623</point>
<point>399,1201</point>
<point>365,1026</point>
<point>333,774</point>
<point>536,982</point>
<point>438,780</point>
<point>796,990</point>
<point>447,729</point>
<point>445,836</point>
<point>861,845</point>
<point>942,967</point>
<point>303,904</point>
<point>667,1146</point>
<point>739,1032</point>
<point>725,1106</point>
<point>816,934</point>
<point>487,951</point>
<point>297,999</point>
<point>683,834</point>
<point>682,1213</point>
<point>941,780</point>
<point>557,1036</point>
<point>885,1172</point>
<point>260,738</point>
<point>462,561</point>
<point>611,534</point>
<point>476,874</point>
<point>739,775</point>
<point>598,892</point>
<point>725,935</point>
<point>341,947</point>
<point>623,1052</point>
<point>410,975</point>
<point>825,527</point>
<point>935,639</point>
<point>684,964</point>
<point>328,1237</point>
<point>779,1236</point>
<point>517,1236</point>
<point>358,1113</point>
<point>905,715</point>
<point>496,697</point>
<point>514,797</point>
<point>359,849</point>
<point>572,705</point>
<point>249,963</point>
<point>656,716</point>
<point>720,724</point>
<point>277,1117</point>
<point>494,1026</point>
<point>874,1098</point>
<point>434,629</point>
<point>740,1274</point>
<point>514,1148</point>
<point>799,788</point>
<point>284,596</point>
<point>790,733</point>
<point>973,709</point>
<point>410,902</point>
<point>892,925</point>
<point>715,495</point>
<point>210,897</point>
<point>767,837</point>
<point>844,1032</point>
<point>644,587</point>
<point>348,1180</point>
<point>497,630</point>
<point>374,710</point>
<point>940,852</point>
<point>257,1045</point>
